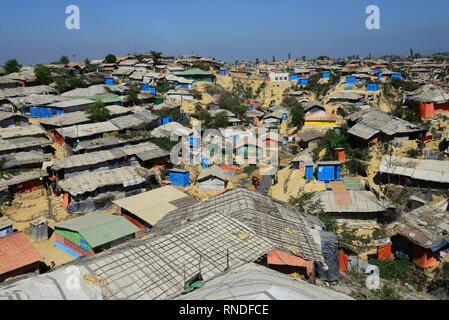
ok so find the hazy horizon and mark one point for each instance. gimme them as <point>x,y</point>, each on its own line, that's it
<point>34,32</point>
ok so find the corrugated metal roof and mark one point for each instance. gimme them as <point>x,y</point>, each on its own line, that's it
<point>6,223</point>
<point>71,103</point>
<point>213,171</point>
<point>23,176</point>
<point>23,158</point>
<point>22,131</point>
<point>349,201</point>
<point>152,205</point>
<point>16,252</point>
<point>426,226</point>
<point>370,121</point>
<point>22,143</point>
<point>420,169</point>
<point>88,182</point>
<point>363,131</point>
<point>99,228</point>
<point>88,129</point>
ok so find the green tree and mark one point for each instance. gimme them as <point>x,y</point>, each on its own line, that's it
<point>156,56</point>
<point>133,94</point>
<point>98,112</point>
<point>64,60</point>
<point>274,60</point>
<point>306,204</point>
<point>43,75</point>
<point>204,115</point>
<point>228,100</point>
<point>239,111</point>
<point>289,55</point>
<point>304,58</point>
<point>257,60</point>
<point>288,102</point>
<point>221,120</point>
<point>12,66</point>
<point>87,63</point>
<point>297,115</point>
<point>110,58</point>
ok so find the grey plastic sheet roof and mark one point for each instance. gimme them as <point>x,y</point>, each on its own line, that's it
<point>21,131</point>
<point>52,286</point>
<point>362,201</point>
<point>420,169</point>
<point>370,121</point>
<point>25,142</point>
<point>88,129</point>
<point>88,182</point>
<point>23,158</point>
<point>10,180</point>
<point>280,222</point>
<point>255,282</point>
<point>91,158</point>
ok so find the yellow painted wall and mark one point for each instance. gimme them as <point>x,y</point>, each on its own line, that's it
<point>320,123</point>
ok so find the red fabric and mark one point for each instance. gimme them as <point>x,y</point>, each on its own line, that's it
<point>342,197</point>
<point>342,261</point>
<point>65,202</point>
<point>277,257</point>
<point>137,223</point>
<point>227,167</point>
<point>426,138</point>
<point>384,251</point>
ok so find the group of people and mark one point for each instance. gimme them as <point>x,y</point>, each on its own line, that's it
<point>255,182</point>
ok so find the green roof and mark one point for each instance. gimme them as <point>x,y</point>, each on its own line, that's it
<point>351,184</point>
<point>99,228</point>
<point>193,72</point>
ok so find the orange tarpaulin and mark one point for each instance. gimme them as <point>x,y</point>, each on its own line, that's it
<point>342,261</point>
<point>424,257</point>
<point>384,251</point>
<point>281,258</point>
<point>65,201</point>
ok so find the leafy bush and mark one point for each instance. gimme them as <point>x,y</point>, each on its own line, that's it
<point>164,143</point>
<point>43,75</point>
<point>12,66</point>
<point>110,58</point>
<point>402,270</point>
<point>387,292</point>
<point>64,60</point>
<point>220,121</point>
<point>413,153</point>
<point>249,170</point>
<point>305,204</point>
<point>356,167</point>
<point>98,112</point>
<point>133,94</point>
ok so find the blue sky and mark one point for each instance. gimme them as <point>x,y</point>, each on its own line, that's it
<point>34,31</point>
